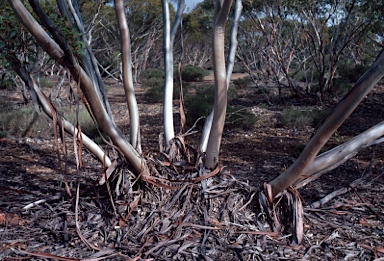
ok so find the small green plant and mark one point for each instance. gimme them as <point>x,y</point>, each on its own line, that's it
<point>295,118</point>
<point>88,126</point>
<point>3,134</point>
<point>351,73</point>
<point>240,118</point>
<point>151,73</point>
<point>201,104</point>
<point>45,83</point>
<point>243,83</point>
<point>190,73</point>
<point>339,138</point>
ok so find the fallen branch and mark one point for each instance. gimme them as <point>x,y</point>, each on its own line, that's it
<point>334,194</point>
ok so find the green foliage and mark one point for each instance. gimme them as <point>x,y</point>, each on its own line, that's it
<point>201,104</point>
<point>13,39</point>
<point>191,73</point>
<point>347,76</point>
<point>70,33</point>
<point>45,82</point>
<point>238,69</point>
<point>151,73</point>
<point>3,134</point>
<point>6,82</point>
<point>155,91</point>
<point>152,80</point>
<point>154,94</point>
<point>88,126</point>
<point>296,118</point>
<point>341,86</point>
<point>351,73</point>
<point>243,83</point>
<point>240,118</point>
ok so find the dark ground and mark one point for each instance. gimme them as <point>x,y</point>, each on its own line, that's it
<point>349,227</point>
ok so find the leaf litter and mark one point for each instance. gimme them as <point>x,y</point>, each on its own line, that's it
<point>170,215</point>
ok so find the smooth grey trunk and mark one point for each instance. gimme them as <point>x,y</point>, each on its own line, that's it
<point>230,63</point>
<point>220,105</point>
<point>88,61</point>
<point>127,75</point>
<point>168,40</point>
<point>341,112</point>
<point>49,110</point>
<point>335,157</point>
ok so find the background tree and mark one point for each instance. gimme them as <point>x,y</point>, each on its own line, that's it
<point>197,31</point>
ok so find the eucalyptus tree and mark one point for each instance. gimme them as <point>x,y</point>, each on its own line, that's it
<point>270,34</point>
<point>169,34</point>
<point>145,22</point>
<point>70,10</point>
<point>127,75</point>
<point>306,167</point>
<point>330,28</point>
<point>197,28</point>
<point>18,52</point>
<point>57,47</point>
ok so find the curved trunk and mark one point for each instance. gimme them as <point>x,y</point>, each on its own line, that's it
<point>127,75</point>
<point>341,112</point>
<point>49,109</point>
<point>231,61</point>
<point>83,81</point>
<point>220,104</point>
<point>168,40</point>
<point>338,155</point>
<point>87,58</point>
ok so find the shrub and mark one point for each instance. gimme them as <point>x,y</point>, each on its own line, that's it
<point>295,118</point>
<point>201,104</point>
<point>151,73</point>
<point>45,82</point>
<point>6,83</point>
<point>190,73</point>
<point>88,126</point>
<point>240,118</point>
<point>238,69</point>
<point>341,86</point>
<point>153,80</point>
<point>3,134</point>
<point>351,73</point>
<point>243,83</point>
<point>154,94</point>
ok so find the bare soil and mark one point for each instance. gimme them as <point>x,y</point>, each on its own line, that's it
<point>37,216</point>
